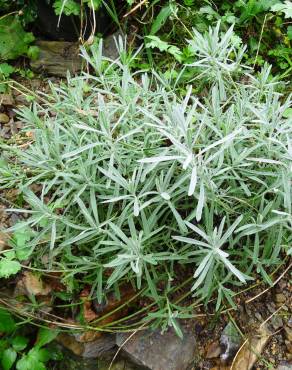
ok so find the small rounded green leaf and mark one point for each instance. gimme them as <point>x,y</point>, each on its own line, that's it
<point>8,267</point>
<point>19,343</point>
<point>33,52</point>
<point>46,336</point>
<point>8,358</point>
<point>7,324</point>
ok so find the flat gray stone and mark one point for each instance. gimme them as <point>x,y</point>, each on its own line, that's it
<point>157,351</point>
<point>98,347</point>
<point>91,349</point>
<point>56,58</point>
<point>285,366</point>
<point>109,45</point>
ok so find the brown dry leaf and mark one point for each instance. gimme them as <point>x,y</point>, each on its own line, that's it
<point>88,313</point>
<point>54,281</point>
<point>251,350</point>
<point>34,285</point>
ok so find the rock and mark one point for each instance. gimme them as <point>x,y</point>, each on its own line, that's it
<point>280,298</point>
<point>87,336</point>
<point>5,132</point>
<point>230,340</point>
<point>109,45</point>
<point>213,350</point>
<point>284,366</point>
<point>57,58</point>
<point>157,351</point>
<point>288,345</point>
<point>74,362</point>
<point>4,118</point>
<point>288,333</point>
<point>21,100</point>
<point>251,350</point>
<point>271,307</point>
<point>117,365</point>
<point>99,346</point>
<point>6,99</point>
<point>68,341</point>
<point>258,316</point>
<point>276,322</point>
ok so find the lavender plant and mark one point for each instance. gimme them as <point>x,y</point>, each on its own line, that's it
<point>137,181</point>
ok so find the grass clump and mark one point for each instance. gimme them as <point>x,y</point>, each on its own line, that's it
<point>127,180</point>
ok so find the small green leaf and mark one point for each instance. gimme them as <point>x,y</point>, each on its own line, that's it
<point>289,32</point>
<point>7,324</point>
<point>19,343</point>
<point>161,18</point>
<point>288,113</point>
<point>6,69</point>
<point>68,7</point>
<point>95,4</point>
<point>33,360</point>
<point>8,267</point>
<point>20,240</point>
<point>8,358</point>
<point>33,52</point>
<point>45,336</point>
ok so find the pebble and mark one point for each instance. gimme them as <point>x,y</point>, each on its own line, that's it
<point>280,298</point>
<point>159,351</point>
<point>284,366</point>
<point>6,99</point>
<point>230,340</point>
<point>4,118</point>
<point>288,333</point>
<point>271,307</point>
<point>258,316</point>
<point>276,322</point>
<point>288,345</point>
<point>213,350</point>
<point>21,100</point>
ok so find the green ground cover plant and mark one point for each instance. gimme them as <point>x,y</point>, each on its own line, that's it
<point>263,25</point>
<point>17,351</point>
<point>131,177</point>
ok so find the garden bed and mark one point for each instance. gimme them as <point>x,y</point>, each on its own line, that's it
<point>150,202</point>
